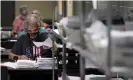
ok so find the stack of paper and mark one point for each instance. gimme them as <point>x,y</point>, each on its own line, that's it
<point>25,64</point>
<point>44,63</point>
<point>20,64</point>
<point>9,64</point>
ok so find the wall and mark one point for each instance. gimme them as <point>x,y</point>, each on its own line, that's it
<point>45,7</point>
<point>76,7</point>
<point>7,13</point>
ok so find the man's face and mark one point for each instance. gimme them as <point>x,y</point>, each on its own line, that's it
<point>24,12</point>
<point>32,31</point>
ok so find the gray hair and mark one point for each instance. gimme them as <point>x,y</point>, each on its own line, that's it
<point>32,19</point>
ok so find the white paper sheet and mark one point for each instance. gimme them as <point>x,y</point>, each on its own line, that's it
<point>25,64</point>
<point>47,42</point>
<point>20,64</point>
<point>56,30</point>
<point>9,64</point>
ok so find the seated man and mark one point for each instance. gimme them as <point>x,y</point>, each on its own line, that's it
<point>39,23</point>
<point>42,29</point>
<point>24,48</point>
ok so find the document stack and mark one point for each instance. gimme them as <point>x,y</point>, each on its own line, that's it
<point>25,64</point>
<point>44,63</point>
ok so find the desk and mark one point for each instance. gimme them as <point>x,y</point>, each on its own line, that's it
<point>24,73</point>
<point>40,74</point>
<point>30,74</point>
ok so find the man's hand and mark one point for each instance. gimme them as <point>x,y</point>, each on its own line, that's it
<point>23,57</point>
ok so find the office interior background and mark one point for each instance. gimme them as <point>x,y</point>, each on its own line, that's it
<point>8,13</point>
<point>121,13</point>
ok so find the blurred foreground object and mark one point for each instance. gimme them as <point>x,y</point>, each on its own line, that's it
<point>95,34</point>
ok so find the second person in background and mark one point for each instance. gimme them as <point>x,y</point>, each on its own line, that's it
<point>44,25</point>
<point>18,22</point>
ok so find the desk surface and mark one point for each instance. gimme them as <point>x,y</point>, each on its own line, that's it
<point>69,71</point>
<point>29,74</point>
<point>30,69</point>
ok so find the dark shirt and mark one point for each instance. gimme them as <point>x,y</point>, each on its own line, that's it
<point>24,46</point>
